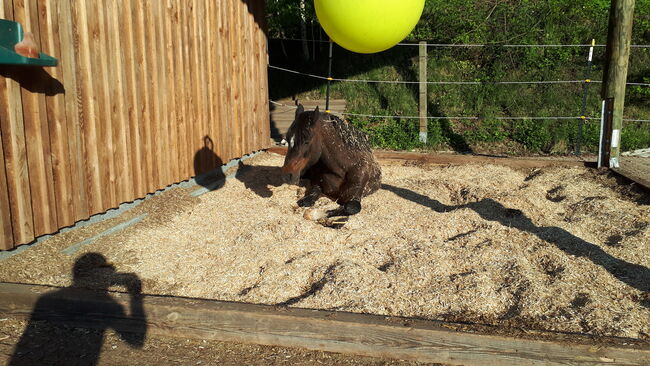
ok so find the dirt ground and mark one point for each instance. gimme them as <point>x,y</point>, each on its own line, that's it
<point>560,249</point>
<point>165,351</point>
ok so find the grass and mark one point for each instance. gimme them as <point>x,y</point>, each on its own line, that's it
<point>490,102</point>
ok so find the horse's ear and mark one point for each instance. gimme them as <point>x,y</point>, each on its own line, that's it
<point>316,116</point>
<point>299,110</point>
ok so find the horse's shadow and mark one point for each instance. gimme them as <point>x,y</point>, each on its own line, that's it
<point>259,178</point>
<point>633,275</point>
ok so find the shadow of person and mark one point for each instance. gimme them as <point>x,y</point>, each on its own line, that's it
<point>33,79</point>
<point>207,166</point>
<point>47,340</point>
<point>259,178</point>
<point>633,275</point>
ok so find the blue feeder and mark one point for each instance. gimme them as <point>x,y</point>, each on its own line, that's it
<point>10,34</point>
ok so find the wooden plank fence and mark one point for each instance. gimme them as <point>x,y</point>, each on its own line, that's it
<point>146,94</point>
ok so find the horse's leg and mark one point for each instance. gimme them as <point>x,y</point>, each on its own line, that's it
<point>311,196</point>
<point>351,193</point>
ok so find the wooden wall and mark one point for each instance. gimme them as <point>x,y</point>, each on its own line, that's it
<point>139,86</point>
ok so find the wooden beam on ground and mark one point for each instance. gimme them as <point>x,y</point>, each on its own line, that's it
<point>636,169</point>
<point>444,159</point>
<point>359,334</point>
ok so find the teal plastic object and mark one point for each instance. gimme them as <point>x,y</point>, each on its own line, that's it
<point>12,33</point>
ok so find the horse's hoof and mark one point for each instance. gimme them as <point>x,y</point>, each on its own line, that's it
<point>314,214</point>
<point>352,207</point>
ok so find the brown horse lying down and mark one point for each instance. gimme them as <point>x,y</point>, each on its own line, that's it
<point>335,157</point>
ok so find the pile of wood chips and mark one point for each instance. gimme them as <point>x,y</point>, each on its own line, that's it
<point>552,249</point>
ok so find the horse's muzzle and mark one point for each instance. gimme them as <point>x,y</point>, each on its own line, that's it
<point>293,168</point>
<point>292,175</point>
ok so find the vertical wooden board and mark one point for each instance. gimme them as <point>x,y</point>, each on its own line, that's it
<point>247,77</point>
<point>171,101</point>
<point>6,232</point>
<point>203,54</point>
<point>191,79</point>
<point>177,88</point>
<point>101,119</point>
<point>183,125</point>
<point>150,21</point>
<point>224,83</point>
<point>68,40</point>
<point>220,120</point>
<point>231,126</point>
<point>263,76</point>
<point>198,130</point>
<point>241,60</point>
<point>55,109</point>
<point>213,93</point>
<point>244,107</point>
<point>251,80</point>
<point>37,135</point>
<point>88,100</point>
<point>15,158</point>
<point>7,10</point>
<point>118,104</point>
<point>172,164</point>
<point>235,39</point>
<point>101,97</point>
<point>190,123</point>
<point>218,83</point>
<point>255,53</point>
<point>144,111</point>
<point>132,93</point>
<point>198,77</point>
<point>263,123</point>
<point>163,143</point>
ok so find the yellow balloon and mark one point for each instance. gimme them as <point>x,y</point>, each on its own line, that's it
<point>368,26</point>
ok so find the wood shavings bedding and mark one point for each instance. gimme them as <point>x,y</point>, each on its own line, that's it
<point>549,249</point>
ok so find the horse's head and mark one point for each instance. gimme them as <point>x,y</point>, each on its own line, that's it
<point>304,143</point>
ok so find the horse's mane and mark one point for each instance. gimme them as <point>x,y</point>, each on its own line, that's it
<point>349,135</point>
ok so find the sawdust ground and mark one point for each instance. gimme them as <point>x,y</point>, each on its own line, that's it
<point>557,249</point>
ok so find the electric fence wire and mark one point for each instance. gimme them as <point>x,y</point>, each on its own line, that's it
<point>463,83</point>
<point>445,82</point>
<point>469,45</point>
<point>437,82</point>
<point>460,117</point>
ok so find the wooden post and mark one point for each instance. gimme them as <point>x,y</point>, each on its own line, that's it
<point>619,38</point>
<point>423,92</point>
